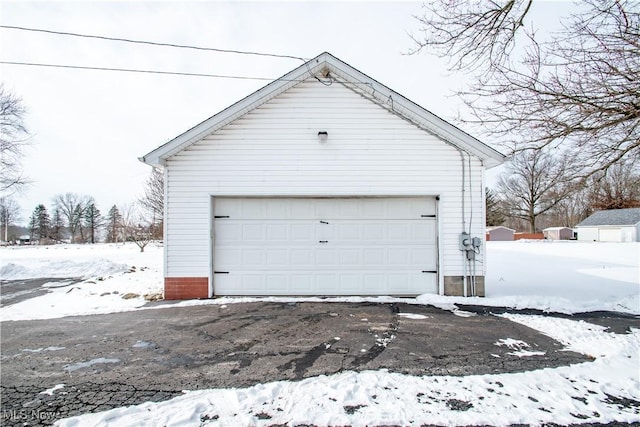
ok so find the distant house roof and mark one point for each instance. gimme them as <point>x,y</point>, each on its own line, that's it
<point>556,228</point>
<point>630,216</point>
<point>500,226</point>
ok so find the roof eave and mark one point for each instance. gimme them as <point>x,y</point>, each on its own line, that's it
<point>231,113</point>
<point>421,117</point>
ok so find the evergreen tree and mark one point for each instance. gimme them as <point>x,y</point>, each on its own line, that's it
<point>114,224</point>
<point>77,221</point>
<point>92,220</point>
<point>57,225</point>
<point>39,223</point>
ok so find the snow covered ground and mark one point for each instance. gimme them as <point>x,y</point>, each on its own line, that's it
<point>109,273</point>
<point>564,277</point>
<point>588,392</point>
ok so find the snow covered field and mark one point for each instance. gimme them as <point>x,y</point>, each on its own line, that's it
<point>563,277</point>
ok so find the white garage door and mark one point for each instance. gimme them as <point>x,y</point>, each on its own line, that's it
<point>324,246</point>
<point>611,235</point>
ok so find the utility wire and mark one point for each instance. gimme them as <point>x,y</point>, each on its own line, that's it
<point>174,73</point>
<point>132,70</point>
<point>118,39</point>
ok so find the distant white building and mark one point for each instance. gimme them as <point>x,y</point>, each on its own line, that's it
<point>558,233</point>
<point>615,225</point>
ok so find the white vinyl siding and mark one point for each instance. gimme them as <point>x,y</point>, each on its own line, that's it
<point>274,151</point>
<point>587,234</point>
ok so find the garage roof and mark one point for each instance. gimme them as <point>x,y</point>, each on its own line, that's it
<point>324,67</point>
<point>630,216</point>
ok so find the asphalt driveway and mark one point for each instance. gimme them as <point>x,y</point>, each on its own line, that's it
<point>106,361</point>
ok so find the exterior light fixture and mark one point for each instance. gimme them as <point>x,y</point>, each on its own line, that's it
<point>322,136</point>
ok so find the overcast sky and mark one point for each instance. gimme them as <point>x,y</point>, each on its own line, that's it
<point>90,127</point>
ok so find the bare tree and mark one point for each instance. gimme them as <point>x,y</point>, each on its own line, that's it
<point>616,188</point>
<point>72,207</point>
<point>577,90</point>
<point>9,213</point>
<point>153,200</point>
<point>570,210</point>
<point>13,140</point>
<point>138,226</point>
<point>533,184</point>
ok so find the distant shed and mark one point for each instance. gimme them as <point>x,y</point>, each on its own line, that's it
<point>500,234</point>
<point>558,233</point>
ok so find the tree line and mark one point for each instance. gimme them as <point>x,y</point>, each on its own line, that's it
<point>534,193</point>
<point>75,218</point>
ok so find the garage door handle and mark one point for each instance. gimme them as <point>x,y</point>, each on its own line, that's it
<point>323,241</point>
<point>429,271</point>
<point>324,222</point>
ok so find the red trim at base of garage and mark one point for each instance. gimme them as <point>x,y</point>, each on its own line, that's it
<point>186,287</point>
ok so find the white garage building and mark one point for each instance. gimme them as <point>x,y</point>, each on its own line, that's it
<point>324,182</point>
<point>614,225</point>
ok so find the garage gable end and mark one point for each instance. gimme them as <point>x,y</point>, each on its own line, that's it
<point>328,70</point>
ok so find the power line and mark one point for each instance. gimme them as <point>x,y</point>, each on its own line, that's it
<point>118,39</point>
<point>133,70</point>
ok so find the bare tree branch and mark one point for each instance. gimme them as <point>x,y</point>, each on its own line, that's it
<point>13,140</point>
<point>473,35</point>
<point>575,95</point>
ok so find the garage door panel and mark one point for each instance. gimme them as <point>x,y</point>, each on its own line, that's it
<point>321,208</point>
<point>326,283</point>
<point>228,258</point>
<point>302,232</point>
<point>319,282</point>
<point>254,257</point>
<point>278,232</point>
<point>382,258</point>
<point>278,257</point>
<point>301,258</point>
<point>350,257</point>
<point>336,232</point>
<point>324,246</point>
<point>300,209</point>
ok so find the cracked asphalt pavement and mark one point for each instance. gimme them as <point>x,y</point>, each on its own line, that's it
<point>113,360</point>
